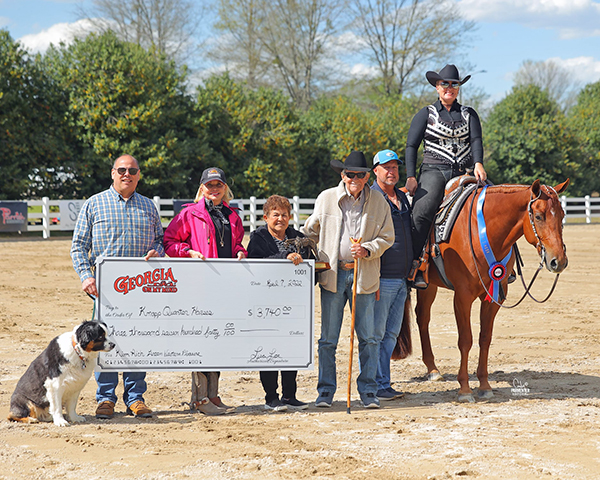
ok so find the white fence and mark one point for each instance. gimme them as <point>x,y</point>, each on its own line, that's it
<point>250,211</point>
<point>587,208</point>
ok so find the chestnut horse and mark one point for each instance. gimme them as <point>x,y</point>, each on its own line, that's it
<point>510,211</point>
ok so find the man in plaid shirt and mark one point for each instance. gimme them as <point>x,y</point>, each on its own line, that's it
<point>118,222</point>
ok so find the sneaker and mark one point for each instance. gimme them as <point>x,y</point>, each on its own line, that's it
<point>369,400</point>
<point>324,400</point>
<point>385,395</point>
<point>275,405</point>
<point>105,410</point>
<point>395,392</point>
<point>294,404</point>
<point>139,410</point>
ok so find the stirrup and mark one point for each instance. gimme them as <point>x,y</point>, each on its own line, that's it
<point>419,281</point>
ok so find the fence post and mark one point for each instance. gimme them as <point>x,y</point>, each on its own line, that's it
<point>563,204</point>
<point>252,214</point>
<point>45,217</point>
<point>588,209</point>
<point>296,211</point>
<point>156,200</point>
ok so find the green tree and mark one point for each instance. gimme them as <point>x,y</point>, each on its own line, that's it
<point>123,99</point>
<point>527,137</point>
<point>34,158</point>
<point>346,125</point>
<point>252,135</point>
<point>584,119</point>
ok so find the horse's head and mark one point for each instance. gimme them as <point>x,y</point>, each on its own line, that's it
<point>544,229</point>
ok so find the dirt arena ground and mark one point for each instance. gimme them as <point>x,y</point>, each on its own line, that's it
<point>550,430</point>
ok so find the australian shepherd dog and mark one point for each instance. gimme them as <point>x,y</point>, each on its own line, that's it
<point>55,378</point>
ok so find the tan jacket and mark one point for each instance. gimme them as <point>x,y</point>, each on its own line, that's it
<point>324,226</point>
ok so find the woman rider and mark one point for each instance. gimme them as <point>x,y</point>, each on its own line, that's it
<point>452,140</point>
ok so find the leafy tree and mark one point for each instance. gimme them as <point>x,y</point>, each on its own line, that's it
<point>123,99</point>
<point>527,137</point>
<point>584,119</point>
<point>347,125</point>
<point>253,136</point>
<point>34,157</point>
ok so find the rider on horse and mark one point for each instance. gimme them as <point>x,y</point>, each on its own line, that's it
<point>453,143</point>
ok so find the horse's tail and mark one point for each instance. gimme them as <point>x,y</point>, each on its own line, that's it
<point>403,346</point>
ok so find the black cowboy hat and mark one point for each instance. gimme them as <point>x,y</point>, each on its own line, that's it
<point>355,162</point>
<point>449,73</point>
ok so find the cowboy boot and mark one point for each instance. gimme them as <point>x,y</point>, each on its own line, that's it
<point>199,389</point>
<point>213,392</point>
<point>200,401</point>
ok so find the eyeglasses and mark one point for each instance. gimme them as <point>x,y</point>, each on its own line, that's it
<point>355,174</point>
<point>131,170</point>
<point>449,84</point>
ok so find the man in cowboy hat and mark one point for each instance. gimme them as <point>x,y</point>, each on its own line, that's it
<point>350,211</point>
<point>452,145</point>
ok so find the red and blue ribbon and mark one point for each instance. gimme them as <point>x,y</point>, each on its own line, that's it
<point>497,269</point>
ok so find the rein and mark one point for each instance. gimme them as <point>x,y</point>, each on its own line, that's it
<point>541,251</point>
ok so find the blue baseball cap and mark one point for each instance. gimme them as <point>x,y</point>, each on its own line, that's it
<point>385,156</point>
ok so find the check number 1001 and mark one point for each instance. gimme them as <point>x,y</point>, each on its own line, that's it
<point>270,312</point>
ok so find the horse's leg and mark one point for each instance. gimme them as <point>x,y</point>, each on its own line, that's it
<point>462,313</point>
<point>425,299</point>
<point>487,314</point>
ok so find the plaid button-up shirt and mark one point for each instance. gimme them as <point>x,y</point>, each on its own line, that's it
<point>110,226</point>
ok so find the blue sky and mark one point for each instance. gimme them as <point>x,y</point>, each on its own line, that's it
<point>508,33</point>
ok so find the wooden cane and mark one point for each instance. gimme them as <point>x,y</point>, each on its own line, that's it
<point>352,326</point>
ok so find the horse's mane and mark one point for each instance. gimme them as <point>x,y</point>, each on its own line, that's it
<point>507,188</point>
<point>515,188</point>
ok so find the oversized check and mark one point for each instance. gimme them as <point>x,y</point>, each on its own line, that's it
<point>218,314</point>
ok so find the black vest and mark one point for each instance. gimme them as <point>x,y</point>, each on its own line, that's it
<point>447,143</point>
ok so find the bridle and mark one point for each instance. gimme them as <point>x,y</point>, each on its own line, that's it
<point>518,261</point>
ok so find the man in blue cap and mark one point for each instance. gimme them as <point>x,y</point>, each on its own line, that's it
<point>395,266</point>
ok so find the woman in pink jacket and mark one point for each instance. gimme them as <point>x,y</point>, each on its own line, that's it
<point>208,228</point>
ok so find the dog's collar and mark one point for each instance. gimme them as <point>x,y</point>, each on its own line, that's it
<point>78,351</point>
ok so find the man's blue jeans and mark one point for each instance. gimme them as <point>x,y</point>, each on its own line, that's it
<point>134,386</point>
<point>389,313</point>
<point>332,313</point>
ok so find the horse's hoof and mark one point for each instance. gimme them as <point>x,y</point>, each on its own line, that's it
<point>485,394</point>
<point>466,398</point>
<point>435,376</point>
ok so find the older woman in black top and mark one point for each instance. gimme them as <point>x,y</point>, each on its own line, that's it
<point>452,140</point>
<point>269,241</point>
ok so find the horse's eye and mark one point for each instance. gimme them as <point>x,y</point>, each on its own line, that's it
<point>538,217</point>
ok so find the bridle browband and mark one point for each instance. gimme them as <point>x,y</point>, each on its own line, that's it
<point>540,248</point>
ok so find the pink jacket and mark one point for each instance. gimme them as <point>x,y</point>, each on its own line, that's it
<point>193,228</point>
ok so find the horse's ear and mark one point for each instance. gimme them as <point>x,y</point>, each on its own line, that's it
<point>561,187</point>
<point>535,188</point>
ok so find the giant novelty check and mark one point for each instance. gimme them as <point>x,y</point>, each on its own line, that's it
<point>219,314</point>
